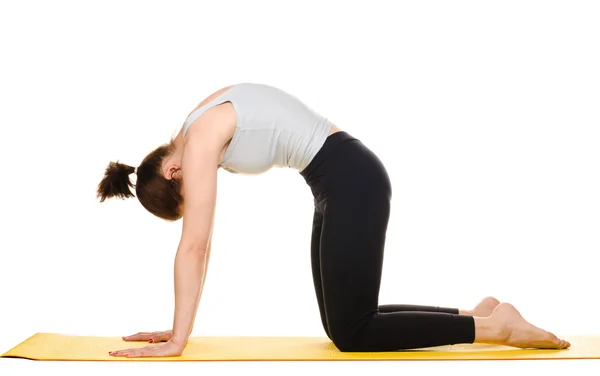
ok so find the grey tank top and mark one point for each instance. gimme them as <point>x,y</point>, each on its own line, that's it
<point>274,129</point>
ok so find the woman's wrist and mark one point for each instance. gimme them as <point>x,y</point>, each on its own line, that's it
<point>179,339</point>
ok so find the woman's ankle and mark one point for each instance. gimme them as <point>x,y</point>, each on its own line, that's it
<point>488,330</point>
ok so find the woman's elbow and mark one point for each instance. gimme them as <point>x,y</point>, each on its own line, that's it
<point>194,247</point>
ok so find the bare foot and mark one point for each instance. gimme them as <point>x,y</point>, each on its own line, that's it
<point>517,332</point>
<point>483,309</point>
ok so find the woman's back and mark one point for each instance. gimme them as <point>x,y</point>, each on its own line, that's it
<point>273,128</point>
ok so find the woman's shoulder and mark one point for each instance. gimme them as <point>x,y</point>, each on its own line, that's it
<point>214,95</point>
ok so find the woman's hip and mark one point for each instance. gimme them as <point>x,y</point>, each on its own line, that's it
<point>344,166</point>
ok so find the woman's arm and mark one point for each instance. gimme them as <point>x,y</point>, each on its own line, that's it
<point>203,145</point>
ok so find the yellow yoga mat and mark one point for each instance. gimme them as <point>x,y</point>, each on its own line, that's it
<point>47,346</point>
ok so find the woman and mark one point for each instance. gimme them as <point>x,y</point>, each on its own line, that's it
<point>250,128</point>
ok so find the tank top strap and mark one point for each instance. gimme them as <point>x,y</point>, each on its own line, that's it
<point>224,97</point>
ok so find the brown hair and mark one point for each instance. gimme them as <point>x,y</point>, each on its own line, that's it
<point>160,196</point>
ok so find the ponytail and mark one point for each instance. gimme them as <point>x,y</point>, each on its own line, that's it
<point>116,182</point>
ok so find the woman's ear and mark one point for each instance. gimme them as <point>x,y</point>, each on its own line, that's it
<point>173,172</point>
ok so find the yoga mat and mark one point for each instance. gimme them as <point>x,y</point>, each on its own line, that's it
<point>48,346</point>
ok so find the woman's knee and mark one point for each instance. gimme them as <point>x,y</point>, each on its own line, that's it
<point>351,338</point>
<point>349,344</point>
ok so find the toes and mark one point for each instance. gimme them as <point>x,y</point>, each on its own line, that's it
<point>562,344</point>
<point>565,344</point>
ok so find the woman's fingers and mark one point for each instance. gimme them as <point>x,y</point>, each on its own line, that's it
<point>142,336</point>
<point>152,337</point>
<point>160,337</point>
<point>129,352</point>
<point>137,337</point>
<point>163,349</point>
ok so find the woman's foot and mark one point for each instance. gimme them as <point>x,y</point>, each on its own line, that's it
<point>507,327</point>
<point>483,309</point>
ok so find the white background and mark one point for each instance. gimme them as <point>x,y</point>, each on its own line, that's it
<point>485,114</point>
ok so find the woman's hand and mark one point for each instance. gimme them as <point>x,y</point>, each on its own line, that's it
<point>152,337</point>
<point>168,348</point>
<point>162,349</point>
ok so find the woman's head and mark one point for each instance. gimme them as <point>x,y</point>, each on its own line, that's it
<point>159,191</point>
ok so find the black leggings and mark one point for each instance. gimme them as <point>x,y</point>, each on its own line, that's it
<point>352,194</point>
